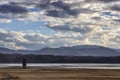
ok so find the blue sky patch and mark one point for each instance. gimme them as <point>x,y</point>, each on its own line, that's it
<point>35,26</point>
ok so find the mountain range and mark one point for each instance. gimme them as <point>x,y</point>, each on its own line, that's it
<point>82,50</point>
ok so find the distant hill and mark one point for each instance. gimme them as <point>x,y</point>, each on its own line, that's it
<point>118,50</point>
<point>83,50</point>
<point>6,50</point>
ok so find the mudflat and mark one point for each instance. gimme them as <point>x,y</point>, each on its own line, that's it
<point>58,74</point>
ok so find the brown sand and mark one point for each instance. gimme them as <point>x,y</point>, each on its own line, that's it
<point>58,74</point>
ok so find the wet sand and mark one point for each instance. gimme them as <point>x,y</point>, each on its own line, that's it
<point>58,74</point>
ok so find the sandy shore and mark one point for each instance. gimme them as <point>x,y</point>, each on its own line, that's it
<point>58,74</point>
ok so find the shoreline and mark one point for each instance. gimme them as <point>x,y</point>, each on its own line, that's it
<point>44,73</point>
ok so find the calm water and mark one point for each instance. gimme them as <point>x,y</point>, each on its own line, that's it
<point>84,66</point>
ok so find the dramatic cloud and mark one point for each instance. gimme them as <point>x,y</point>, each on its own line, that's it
<point>58,9</point>
<point>108,0</point>
<point>74,22</point>
<point>102,1</point>
<point>116,7</point>
<point>20,40</point>
<point>67,27</point>
<point>12,9</point>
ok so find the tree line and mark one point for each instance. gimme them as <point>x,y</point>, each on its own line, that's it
<point>31,58</point>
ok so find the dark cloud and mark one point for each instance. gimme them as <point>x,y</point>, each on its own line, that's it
<point>44,4</point>
<point>61,5</point>
<point>73,12</point>
<point>65,7</point>
<point>86,11</point>
<point>58,9</point>
<point>5,8</point>
<point>96,18</point>
<point>90,0</point>
<point>69,28</point>
<point>117,20</point>
<point>62,9</point>
<point>12,3</point>
<point>101,0</point>
<point>62,13</point>
<point>115,7</point>
<point>56,13</point>
<point>109,0</point>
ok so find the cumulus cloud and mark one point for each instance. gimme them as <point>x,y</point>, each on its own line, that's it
<point>96,21</point>
<point>75,28</point>
<point>20,40</point>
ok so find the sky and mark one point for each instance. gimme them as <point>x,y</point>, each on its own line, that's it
<point>36,24</point>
